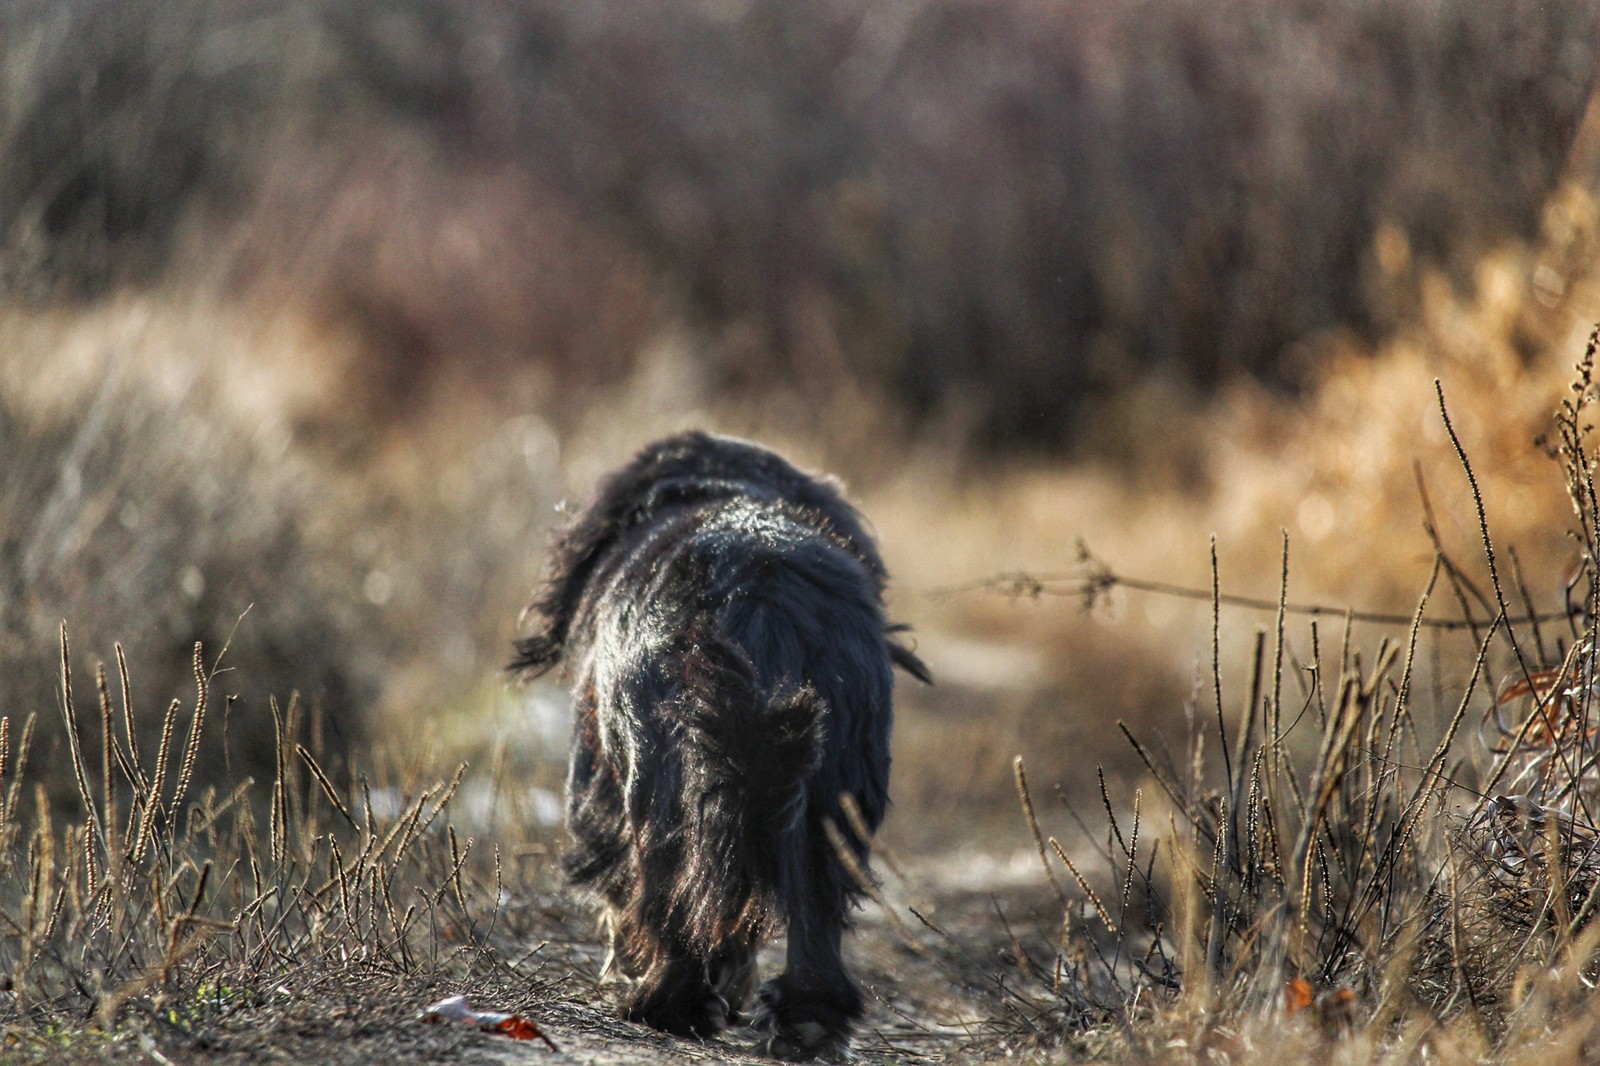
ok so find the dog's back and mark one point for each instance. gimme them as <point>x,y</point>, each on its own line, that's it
<point>720,614</point>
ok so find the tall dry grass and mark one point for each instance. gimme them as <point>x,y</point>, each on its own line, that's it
<point>1359,471</point>
<point>993,220</point>
<point>382,291</point>
<point>216,918</point>
<point>123,514</point>
<point>1323,862</point>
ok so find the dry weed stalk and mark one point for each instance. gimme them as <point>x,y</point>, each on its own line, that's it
<point>144,901</point>
<point>1359,880</point>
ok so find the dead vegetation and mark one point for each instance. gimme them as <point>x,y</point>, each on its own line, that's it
<point>989,220</point>
<point>1328,858</point>
<point>1334,857</point>
<point>317,335</point>
<point>162,913</point>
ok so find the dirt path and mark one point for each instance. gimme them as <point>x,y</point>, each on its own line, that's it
<point>942,987</point>
<point>937,991</point>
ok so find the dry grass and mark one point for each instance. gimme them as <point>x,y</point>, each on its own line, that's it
<point>158,912</point>
<point>124,514</point>
<point>993,221</point>
<point>326,331</point>
<point>1357,472</point>
<point>1323,862</point>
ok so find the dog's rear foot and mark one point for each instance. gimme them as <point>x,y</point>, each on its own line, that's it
<point>697,1012</point>
<point>803,1024</point>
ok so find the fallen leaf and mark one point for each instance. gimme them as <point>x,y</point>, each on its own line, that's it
<point>457,1009</point>
<point>1297,995</point>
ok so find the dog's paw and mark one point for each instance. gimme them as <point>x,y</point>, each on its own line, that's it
<point>699,1013</point>
<point>799,1026</point>
<point>731,974</point>
<point>807,1042</point>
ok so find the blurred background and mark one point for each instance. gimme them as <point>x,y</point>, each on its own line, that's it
<point>312,313</point>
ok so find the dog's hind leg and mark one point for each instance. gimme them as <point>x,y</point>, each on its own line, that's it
<point>807,1011</point>
<point>683,993</point>
<point>693,978</point>
<point>732,975</point>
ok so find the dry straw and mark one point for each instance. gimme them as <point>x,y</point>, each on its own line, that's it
<point>1384,881</point>
<point>141,903</point>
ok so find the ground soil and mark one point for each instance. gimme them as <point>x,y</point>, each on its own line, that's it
<point>942,987</point>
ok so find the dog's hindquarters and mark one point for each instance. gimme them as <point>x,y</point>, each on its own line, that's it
<point>726,706</point>
<point>716,780</point>
<point>810,616</point>
<point>748,756</point>
<point>744,758</point>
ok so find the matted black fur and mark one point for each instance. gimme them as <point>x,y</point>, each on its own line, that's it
<point>720,617</point>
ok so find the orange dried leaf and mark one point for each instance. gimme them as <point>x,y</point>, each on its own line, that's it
<point>520,1028</point>
<point>457,1009</point>
<point>1297,995</point>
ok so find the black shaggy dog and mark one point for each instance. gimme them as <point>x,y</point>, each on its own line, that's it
<point>720,616</point>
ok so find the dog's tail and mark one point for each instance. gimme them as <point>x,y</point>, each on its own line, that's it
<point>747,755</point>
